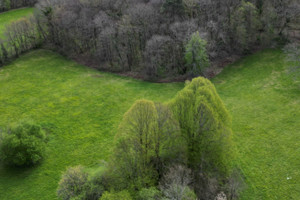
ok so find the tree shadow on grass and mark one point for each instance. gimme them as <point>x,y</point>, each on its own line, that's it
<point>17,172</point>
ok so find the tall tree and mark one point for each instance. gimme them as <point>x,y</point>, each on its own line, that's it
<point>147,137</point>
<point>245,25</point>
<point>205,125</point>
<point>195,55</point>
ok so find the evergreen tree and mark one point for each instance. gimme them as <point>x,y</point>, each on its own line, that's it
<point>195,55</point>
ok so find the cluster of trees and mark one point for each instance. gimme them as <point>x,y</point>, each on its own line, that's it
<point>20,36</point>
<point>12,4</point>
<point>179,150</point>
<point>151,36</point>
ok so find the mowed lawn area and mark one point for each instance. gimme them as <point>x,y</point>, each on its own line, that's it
<point>11,16</point>
<point>265,105</point>
<point>81,108</point>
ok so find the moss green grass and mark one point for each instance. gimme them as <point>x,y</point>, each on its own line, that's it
<point>10,16</point>
<point>81,107</point>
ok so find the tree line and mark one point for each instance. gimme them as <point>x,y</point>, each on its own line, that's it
<point>20,36</point>
<point>154,39</point>
<point>150,37</point>
<point>6,5</point>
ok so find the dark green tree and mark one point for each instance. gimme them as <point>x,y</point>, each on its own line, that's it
<point>196,56</point>
<point>245,24</point>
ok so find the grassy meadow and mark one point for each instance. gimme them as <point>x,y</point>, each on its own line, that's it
<point>265,106</point>
<point>13,15</point>
<point>80,107</point>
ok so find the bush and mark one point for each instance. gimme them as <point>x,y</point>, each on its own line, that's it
<point>124,195</point>
<point>175,184</point>
<point>23,145</point>
<point>76,183</point>
<point>73,183</point>
<point>151,193</point>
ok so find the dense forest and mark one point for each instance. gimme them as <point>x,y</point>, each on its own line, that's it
<point>13,4</point>
<point>151,36</point>
<point>154,39</point>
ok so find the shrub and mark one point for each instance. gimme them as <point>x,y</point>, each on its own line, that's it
<point>76,183</point>
<point>23,145</point>
<point>151,193</point>
<point>96,184</point>
<point>73,183</point>
<point>175,184</point>
<point>196,56</point>
<point>124,195</point>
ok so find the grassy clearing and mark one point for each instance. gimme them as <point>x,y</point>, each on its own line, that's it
<point>265,105</point>
<point>10,16</point>
<point>82,108</point>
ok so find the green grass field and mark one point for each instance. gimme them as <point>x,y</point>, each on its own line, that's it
<point>265,105</point>
<point>10,16</point>
<point>83,107</point>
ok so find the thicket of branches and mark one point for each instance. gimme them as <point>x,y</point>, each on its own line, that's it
<point>149,36</point>
<point>20,36</point>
